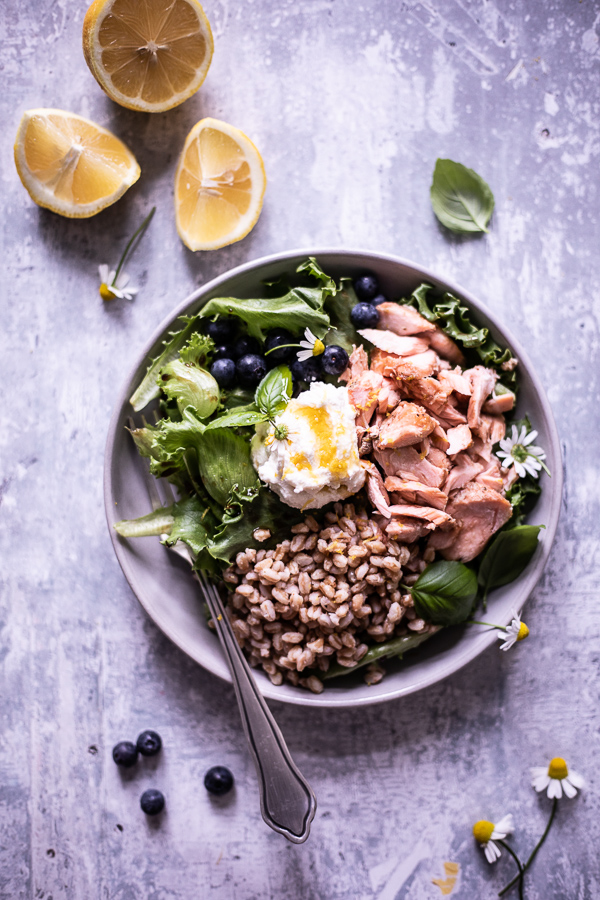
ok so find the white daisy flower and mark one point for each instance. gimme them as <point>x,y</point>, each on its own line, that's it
<point>114,282</point>
<point>516,631</point>
<point>556,779</point>
<point>519,451</point>
<point>485,833</point>
<point>111,286</point>
<point>313,346</point>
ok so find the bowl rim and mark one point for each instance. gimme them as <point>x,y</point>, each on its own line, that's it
<point>483,638</point>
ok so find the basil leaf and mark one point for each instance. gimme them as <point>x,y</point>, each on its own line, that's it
<point>274,391</point>
<point>460,198</point>
<point>396,647</point>
<point>444,594</point>
<point>507,556</point>
<point>237,417</point>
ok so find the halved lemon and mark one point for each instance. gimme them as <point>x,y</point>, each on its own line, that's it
<point>149,55</point>
<point>71,165</point>
<point>219,186</point>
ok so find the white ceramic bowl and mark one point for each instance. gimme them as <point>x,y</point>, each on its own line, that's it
<point>162,582</point>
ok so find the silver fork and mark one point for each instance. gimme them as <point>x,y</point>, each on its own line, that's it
<point>287,801</point>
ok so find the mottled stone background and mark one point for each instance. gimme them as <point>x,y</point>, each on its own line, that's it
<point>350,104</point>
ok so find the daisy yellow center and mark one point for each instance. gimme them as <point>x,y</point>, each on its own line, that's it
<point>482,831</point>
<point>106,293</point>
<point>523,632</point>
<point>558,768</point>
<point>318,348</point>
<point>520,453</point>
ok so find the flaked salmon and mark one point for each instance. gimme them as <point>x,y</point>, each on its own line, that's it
<point>357,364</point>
<point>408,424</point>
<point>407,463</point>
<point>459,438</point>
<point>478,512</point>
<point>402,319</point>
<point>403,490</point>
<point>393,343</point>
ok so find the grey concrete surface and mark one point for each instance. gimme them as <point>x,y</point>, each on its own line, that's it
<point>350,104</point>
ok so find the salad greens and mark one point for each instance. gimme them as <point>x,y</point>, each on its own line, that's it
<point>396,647</point>
<point>201,443</point>
<point>444,593</point>
<point>300,308</point>
<point>455,320</point>
<point>507,556</point>
<point>460,198</point>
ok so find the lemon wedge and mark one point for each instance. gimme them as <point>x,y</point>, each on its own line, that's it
<point>71,165</point>
<point>149,55</point>
<point>219,186</point>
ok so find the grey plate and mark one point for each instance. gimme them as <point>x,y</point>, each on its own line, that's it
<point>163,585</point>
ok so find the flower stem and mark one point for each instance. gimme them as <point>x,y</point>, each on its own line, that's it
<point>139,234</point>
<point>535,849</point>
<point>542,464</point>
<point>281,347</point>
<point>520,867</point>
<point>489,624</point>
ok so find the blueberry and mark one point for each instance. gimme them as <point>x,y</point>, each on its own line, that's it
<point>223,371</point>
<point>366,286</point>
<point>308,370</point>
<point>334,360</point>
<point>149,743</point>
<point>125,754</point>
<point>251,369</point>
<point>223,352</point>
<point>218,780</point>
<point>379,299</point>
<point>275,339</point>
<point>152,802</point>
<point>245,345</point>
<point>221,330</point>
<point>364,315</point>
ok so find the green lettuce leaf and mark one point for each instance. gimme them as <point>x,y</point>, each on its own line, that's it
<point>455,320</point>
<point>193,523</point>
<point>312,268</point>
<point>191,387</point>
<point>249,509</point>
<point>338,306</point>
<point>198,351</point>
<point>187,520</point>
<point>223,463</point>
<point>300,308</point>
<point>386,650</point>
<point>149,389</point>
<point>166,443</point>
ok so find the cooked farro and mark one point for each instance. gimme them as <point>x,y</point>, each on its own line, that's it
<point>322,596</point>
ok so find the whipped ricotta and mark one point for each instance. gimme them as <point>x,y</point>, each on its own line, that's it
<point>309,457</point>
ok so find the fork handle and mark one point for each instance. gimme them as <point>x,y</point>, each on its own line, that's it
<point>287,801</point>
